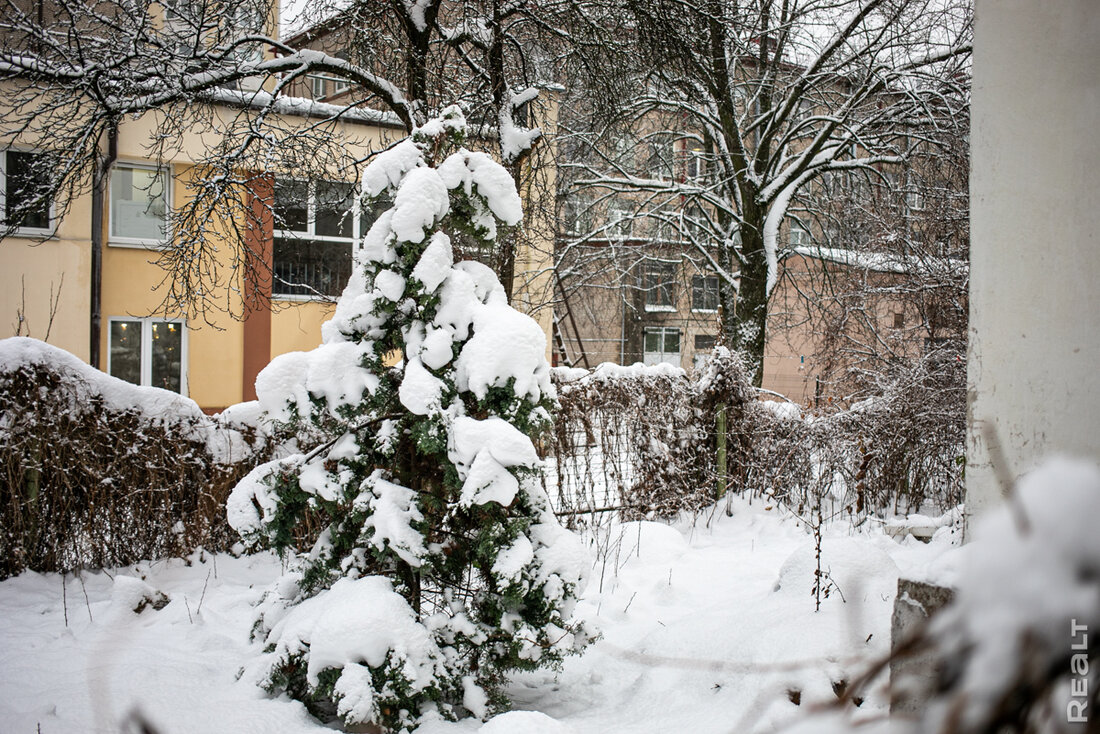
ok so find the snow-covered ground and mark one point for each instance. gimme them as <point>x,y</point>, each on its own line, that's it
<point>705,629</point>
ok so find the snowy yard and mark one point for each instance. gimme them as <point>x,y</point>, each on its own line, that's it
<point>705,629</point>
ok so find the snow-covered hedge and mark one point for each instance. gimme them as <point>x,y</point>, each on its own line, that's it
<point>644,441</point>
<point>638,439</point>
<point>96,472</point>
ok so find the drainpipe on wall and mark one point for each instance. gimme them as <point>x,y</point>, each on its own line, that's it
<point>100,177</point>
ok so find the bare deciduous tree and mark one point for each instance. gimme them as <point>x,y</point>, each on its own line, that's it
<point>738,109</point>
<point>886,279</point>
<point>72,72</point>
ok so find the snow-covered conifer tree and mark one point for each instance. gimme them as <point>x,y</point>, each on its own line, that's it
<point>440,566</point>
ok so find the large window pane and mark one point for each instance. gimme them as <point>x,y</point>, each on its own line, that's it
<point>799,234</point>
<point>704,293</point>
<point>335,202</point>
<point>662,344</point>
<point>658,280</point>
<point>672,342</point>
<point>310,268</point>
<point>20,187</point>
<point>138,203</point>
<point>166,353</point>
<point>292,206</point>
<point>705,342</point>
<point>125,348</point>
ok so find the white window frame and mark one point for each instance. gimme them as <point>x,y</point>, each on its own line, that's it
<point>661,229</point>
<point>248,21</point>
<point>914,200</point>
<point>717,292</point>
<point>147,347</point>
<point>663,355</point>
<point>625,152</point>
<point>799,233</point>
<point>355,241</point>
<point>340,84</point>
<point>691,159</point>
<point>659,307</point>
<point>695,165</point>
<point>578,216</point>
<point>659,166</point>
<point>620,221</point>
<point>694,224</point>
<point>141,242</point>
<point>38,232</point>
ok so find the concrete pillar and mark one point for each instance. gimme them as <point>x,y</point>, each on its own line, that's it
<point>1034,355</point>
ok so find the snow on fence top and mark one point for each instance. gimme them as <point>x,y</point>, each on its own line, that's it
<point>611,371</point>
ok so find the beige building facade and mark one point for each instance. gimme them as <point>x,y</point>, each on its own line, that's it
<point>306,248</point>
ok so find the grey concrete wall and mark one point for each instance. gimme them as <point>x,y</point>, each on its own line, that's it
<point>1034,360</point>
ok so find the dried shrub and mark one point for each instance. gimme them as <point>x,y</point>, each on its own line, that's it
<point>897,453</point>
<point>88,481</point>
<point>643,442</point>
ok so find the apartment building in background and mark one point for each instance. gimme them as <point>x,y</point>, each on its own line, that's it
<point>310,229</point>
<point>635,288</point>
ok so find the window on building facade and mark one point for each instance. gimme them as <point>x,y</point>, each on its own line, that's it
<point>620,220</point>
<point>339,84</point>
<point>704,345</point>
<point>139,205</point>
<point>248,21</point>
<point>704,293</point>
<point>578,216</point>
<point>18,182</point>
<point>659,284</point>
<point>800,235</point>
<point>660,157</point>
<point>696,166</point>
<point>914,200</point>
<point>696,225</point>
<point>803,111</point>
<point>317,224</point>
<point>662,344</point>
<point>705,342</point>
<point>693,161</point>
<point>660,228</point>
<point>624,152</point>
<point>149,351</point>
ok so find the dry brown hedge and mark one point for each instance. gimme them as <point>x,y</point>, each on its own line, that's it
<point>88,483</point>
<point>643,443</point>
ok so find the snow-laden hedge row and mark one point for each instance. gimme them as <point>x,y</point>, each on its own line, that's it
<point>637,439</point>
<point>97,472</point>
<point>643,441</point>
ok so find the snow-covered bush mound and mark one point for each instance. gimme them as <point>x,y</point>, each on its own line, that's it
<point>850,570</point>
<point>100,472</point>
<point>438,552</point>
<point>88,386</point>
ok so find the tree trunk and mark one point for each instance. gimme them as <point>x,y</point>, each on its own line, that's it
<point>745,313</point>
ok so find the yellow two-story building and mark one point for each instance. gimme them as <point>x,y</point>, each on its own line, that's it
<point>89,276</point>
